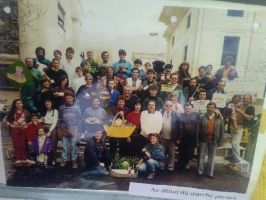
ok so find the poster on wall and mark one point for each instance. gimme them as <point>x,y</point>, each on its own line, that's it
<point>97,114</point>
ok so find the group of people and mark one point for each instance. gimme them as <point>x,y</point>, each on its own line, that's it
<point>72,100</point>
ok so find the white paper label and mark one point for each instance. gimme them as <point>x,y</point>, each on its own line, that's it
<point>181,193</point>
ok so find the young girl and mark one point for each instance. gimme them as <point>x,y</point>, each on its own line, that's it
<point>42,146</point>
<point>32,130</point>
<point>177,107</point>
<point>113,93</point>
<point>50,121</point>
<point>17,121</point>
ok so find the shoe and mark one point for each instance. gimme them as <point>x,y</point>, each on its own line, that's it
<point>151,175</point>
<point>234,160</point>
<point>75,165</point>
<point>235,168</point>
<point>210,177</point>
<point>63,164</point>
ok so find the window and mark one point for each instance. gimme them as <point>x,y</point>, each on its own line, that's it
<point>235,13</point>
<point>173,41</point>
<point>61,17</point>
<point>230,48</point>
<point>185,52</point>
<point>188,20</point>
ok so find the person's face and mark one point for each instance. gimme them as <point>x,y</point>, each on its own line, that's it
<point>153,93</point>
<point>137,65</point>
<point>41,132</point>
<point>168,106</point>
<point>184,67</point>
<point>29,62</point>
<point>56,64</point>
<point>95,103</point>
<point>174,79</point>
<point>111,84</point>
<point>122,56</point>
<point>105,57</point>
<point>127,92</point>
<point>19,105</point>
<point>88,80</point>
<point>228,63</point>
<point>153,140</point>
<point>34,120</point>
<point>101,79</point>
<point>148,66</point>
<point>209,68</point>
<point>236,99</point>
<point>69,54</point>
<point>246,99</point>
<point>40,53</point>
<point>151,107</point>
<point>192,83</point>
<point>137,107</point>
<point>90,56</point>
<point>202,71</point>
<point>168,71</point>
<point>150,76</point>
<point>120,103</point>
<point>202,96</point>
<point>220,86</point>
<point>69,100</point>
<point>79,72</point>
<point>48,104</point>
<point>174,99</point>
<point>231,74</point>
<point>210,109</point>
<point>98,135</point>
<point>135,74</point>
<point>57,55</point>
<point>110,71</point>
<point>188,109</point>
<point>64,82</point>
<point>46,84</point>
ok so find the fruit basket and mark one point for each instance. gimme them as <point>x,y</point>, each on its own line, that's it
<point>119,128</point>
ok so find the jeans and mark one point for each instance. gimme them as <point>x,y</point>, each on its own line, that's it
<point>211,147</point>
<point>236,140</point>
<point>150,166</point>
<point>72,143</point>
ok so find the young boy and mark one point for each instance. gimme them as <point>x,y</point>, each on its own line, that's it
<point>153,91</point>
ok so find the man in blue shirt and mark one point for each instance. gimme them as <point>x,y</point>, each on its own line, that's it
<point>122,67</point>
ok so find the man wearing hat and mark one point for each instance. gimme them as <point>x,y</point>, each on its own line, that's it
<point>122,67</point>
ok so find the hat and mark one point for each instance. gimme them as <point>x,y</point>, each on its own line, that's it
<point>158,66</point>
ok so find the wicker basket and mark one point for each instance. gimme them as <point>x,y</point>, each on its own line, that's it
<point>119,131</point>
<point>122,173</point>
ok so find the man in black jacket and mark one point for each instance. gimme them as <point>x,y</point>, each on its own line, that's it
<point>96,155</point>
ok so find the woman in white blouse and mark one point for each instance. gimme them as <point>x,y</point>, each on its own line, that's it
<point>50,121</point>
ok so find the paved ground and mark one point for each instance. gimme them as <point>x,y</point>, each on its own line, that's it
<point>225,179</point>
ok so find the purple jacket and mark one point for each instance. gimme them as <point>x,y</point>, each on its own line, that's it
<point>46,148</point>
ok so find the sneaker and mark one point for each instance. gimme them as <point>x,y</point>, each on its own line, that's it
<point>234,160</point>
<point>75,165</point>
<point>151,175</point>
<point>63,164</point>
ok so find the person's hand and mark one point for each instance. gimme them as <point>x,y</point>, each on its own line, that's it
<point>101,164</point>
<point>56,94</point>
<point>49,134</point>
<point>237,110</point>
<point>191,99</point>
<point>178,142</point>
<point>128,140</point>
<point>121,113</point>
<point>147,154</point>
<point>15,124</point>
<point>29,143</point>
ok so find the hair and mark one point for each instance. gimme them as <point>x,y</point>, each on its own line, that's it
<point>89,52</point>
<point>58,51</point>
<point>147,63</point>
<point>228,58</point>
<point>120,98</point>
<point>11,113</point>
<point>138,101</point>
<point>183,73</point>
<point>168,66</point>
<point>39,49</point>
<point>45,79</point>
<point>154,135</point>
<point>35,115</point>
<point>150,71</point>
<point>201,67</point>
<point>122,52</point>
<point>210,66</point>
<point>202,91</point>
<point>193,79</point>
<point>188,105</point>
<point>153,87</point>
<point>222,82</point>
<point>250,96</point>
<point>174,74</point>
<point>78,68</point>
<point>151,100</point>
<point>69,93</point>
<point>54,59</point>
<point>88,75</point>
<point>134,69</point>
<point>62,78</point>
<point>137,61</point>
<point>103,53</point>
<point>211,104</point>
<point>70,49</point>
<point>45,129</point>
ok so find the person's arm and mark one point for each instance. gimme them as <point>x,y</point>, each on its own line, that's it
<point>55,118</point>
<point>248,114</point>
<point>129,69</point>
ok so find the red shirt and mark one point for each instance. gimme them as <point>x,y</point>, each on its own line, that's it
<point>134,118</point>
<point>32,130</point>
